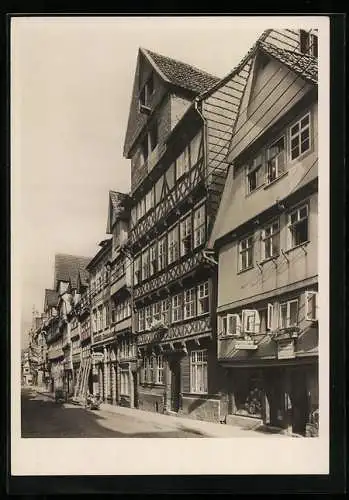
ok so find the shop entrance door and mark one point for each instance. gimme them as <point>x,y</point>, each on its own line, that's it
<point>299,400</point>
<point>175,385</point>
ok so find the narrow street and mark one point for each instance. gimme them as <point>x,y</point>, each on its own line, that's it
<point>43,418</point>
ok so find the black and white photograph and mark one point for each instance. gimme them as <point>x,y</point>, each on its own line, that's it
<point>169,258</point>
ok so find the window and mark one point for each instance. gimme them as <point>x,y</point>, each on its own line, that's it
<point>150,370</point>
<point>270,317</point>
<point>173,245</point>
<point>276,160</point>
<point>153,260</point>
<point>145,265</point>
<point>289,314</point>
<point>189,303</point>
<point>162,253</point>
<point>203,298</point>
<point>137,271</point>
<point>199,226</point>
<point>148,317</point>
<point>250,321</point>
<point>298,226</point>
<point>246,253</point>
<point>186,235</point>
<point>230,325</point>
<point>165,309</point>
<point>124,383</point>
<point>198,371</point>
<point>159,370</point>
<point>255,174</point>
<point>300,137</point>
<point>177,310</point>
<point>182,163</point>
<point>271,241</point>
<point>147,91</point>
<point>141,208</point>
<point>311,306</point>
<point>308,43</point>
<point>141,320</point>
<point>157,311</point>
<point>149,200</point>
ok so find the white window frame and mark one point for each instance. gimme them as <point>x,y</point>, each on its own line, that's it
<point>250,315</point>
<point>255,167</point>
<point>141,320</point>
<point>203,294</point>
<point>311,314</point>
<point>199,359</point>
<point>186,234</point>
<point>162,253</point>
<point>291,225</point>
<point>288,308</point>
<point>274,234</point>
<point>153,259</point>
<point>183,163</point>
<point>249,245</point>
<point>148,317</point>
<point>137,278</point>
<point>156,311</point>
<point>270,317</point>
<point>279,159</point>
<point>189,303</point>
<point>199,225</point>
<point>145,264</point>
<point>172,245</point>
<point>297,134</point>
<point>159,379</point>
<point>177,307</point>
<point>165,311</point>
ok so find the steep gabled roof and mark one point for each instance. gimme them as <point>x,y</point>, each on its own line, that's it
<point>181,74</point>
<point>171,72</point>
<point>67,268</point>
<point>51,298</point>
<point>302,64</point>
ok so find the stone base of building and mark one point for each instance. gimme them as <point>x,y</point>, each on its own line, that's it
<point>200,408</point>
<point>151,401</point>
<point>125,401</point>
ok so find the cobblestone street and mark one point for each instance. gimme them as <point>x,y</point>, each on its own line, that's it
<point>43,418</point>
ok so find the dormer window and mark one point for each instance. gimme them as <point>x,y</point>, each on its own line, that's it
<point>308,43</point>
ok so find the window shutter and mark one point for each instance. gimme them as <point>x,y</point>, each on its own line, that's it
<point>233,324</point>
<point>310,305</point>
<point>270,317</point>
<point>257,322</point>
<point>223,325</point>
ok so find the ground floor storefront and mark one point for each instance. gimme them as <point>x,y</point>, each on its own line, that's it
<point>283,395</point>
<point>56,371</point>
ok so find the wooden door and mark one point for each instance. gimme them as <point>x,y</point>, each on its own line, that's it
<point>175,385</point>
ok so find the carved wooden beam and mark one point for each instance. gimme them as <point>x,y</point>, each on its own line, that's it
<point>197,341</point>
<point>171,346</point>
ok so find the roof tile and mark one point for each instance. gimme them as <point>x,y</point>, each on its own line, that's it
<point>67,268</point>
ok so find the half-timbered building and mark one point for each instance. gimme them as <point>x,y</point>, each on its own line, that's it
<point>176,140</point>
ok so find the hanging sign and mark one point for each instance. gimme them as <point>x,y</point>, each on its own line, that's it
<point>285,349</point>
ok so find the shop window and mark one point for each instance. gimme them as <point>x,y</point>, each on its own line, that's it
<point>198,371</point>
<point>246,253</point>
<point>298,226</point>
<point>288,314</point>
<point>249,395</point>
<point>311,299</point>
<point>203,302</point>
<point>300,137</point>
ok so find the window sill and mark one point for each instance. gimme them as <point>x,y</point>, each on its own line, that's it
<point>269,184</point>
<point>269,259</point>
<point>305,243</point>
<point>251,193</point>
<point>244,270</point>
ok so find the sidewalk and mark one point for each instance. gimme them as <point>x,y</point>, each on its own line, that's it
<point>179,422</point>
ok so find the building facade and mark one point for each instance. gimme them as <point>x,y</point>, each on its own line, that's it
<point>173,139</point>
<point>265,237</point>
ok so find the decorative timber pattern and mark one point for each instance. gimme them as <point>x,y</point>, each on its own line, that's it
<point>169,275</point>
<point>174,332</point>
<point>183,188</point>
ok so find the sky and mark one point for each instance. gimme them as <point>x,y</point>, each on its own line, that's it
<point>71,83</point>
